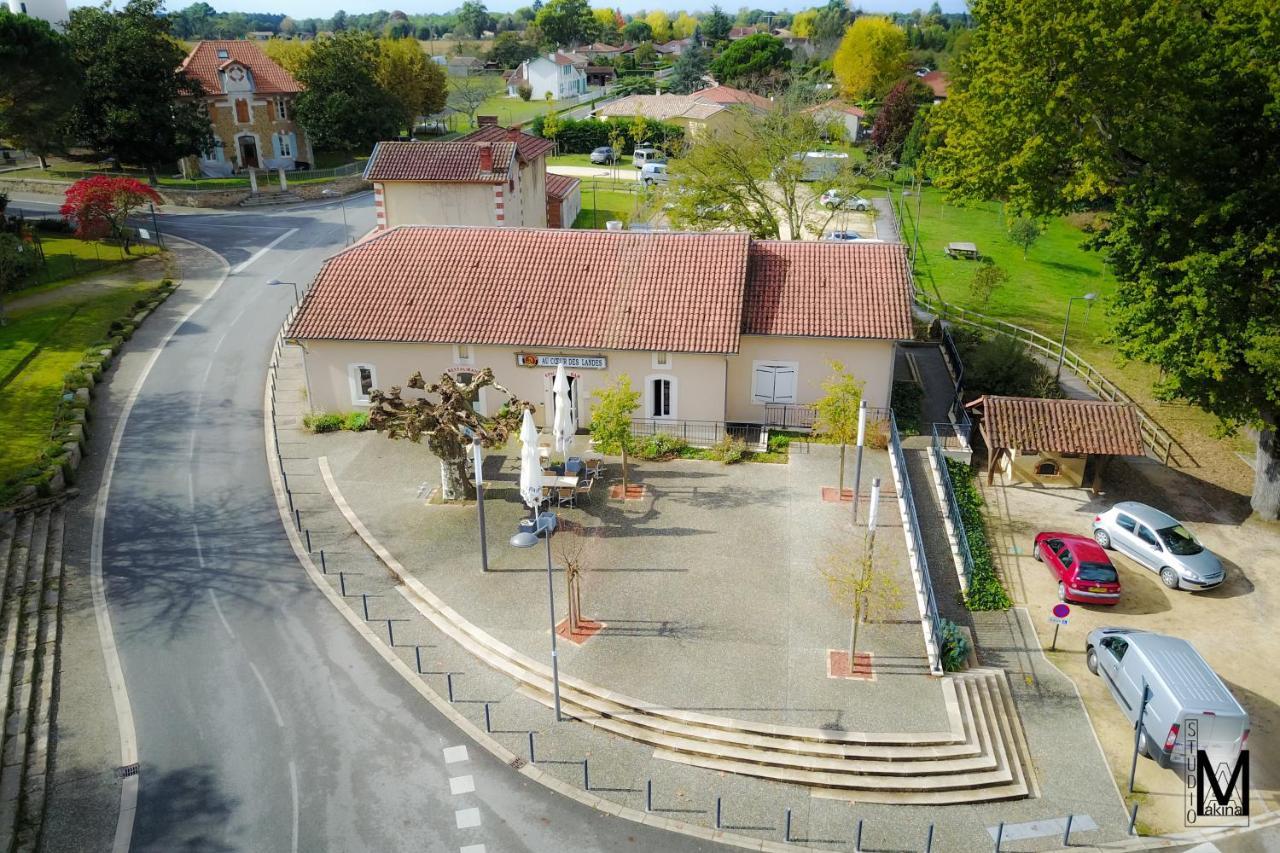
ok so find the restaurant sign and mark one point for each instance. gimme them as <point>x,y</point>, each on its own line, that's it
<point>581,362</point>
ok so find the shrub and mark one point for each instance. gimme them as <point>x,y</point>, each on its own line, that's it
<point>356,421</point>
<point>908,407</point>
<point>877,436</point>
<point>1001,365</point>
<point>729,450</point>
<point>779,443</point>
<point>660,447</point>
<point>582,136</point>
<point>985,590</point>
<point>525,91</point>
<point>322,422</point>
<point>49,225</point>
<point>955,646</point>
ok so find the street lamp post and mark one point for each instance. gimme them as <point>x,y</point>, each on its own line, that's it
<point>476,450</point>
<point>857,469</point>
<point>275,282</point>
<point>1062,348</point>
<point>527,539</point>
<point>346,232</point>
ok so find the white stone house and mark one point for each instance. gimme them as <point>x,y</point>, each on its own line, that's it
<point>555,73</point>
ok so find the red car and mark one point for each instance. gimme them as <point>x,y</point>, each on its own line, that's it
<point>1085,574</point>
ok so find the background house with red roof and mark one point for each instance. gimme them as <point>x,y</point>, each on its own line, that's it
<point>714,328</point>
<point>250,103</point>
<point>847,116</point>
<point>491,176</point>
<point>938,82</point>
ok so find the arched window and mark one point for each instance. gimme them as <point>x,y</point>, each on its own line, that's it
<point>1047,468</point>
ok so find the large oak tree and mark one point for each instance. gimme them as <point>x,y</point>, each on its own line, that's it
<point>1167,114</point>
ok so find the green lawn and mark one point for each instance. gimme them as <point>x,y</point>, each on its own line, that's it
<point>66,257</point>
<point>511,111</point>
<point>54,338</point>
<point>606,199</point>
<point>582,160</point>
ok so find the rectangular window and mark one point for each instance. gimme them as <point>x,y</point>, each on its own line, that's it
<point>660,398</point>
<point>363,380</point>
<point>222,54</point>
<point>463,354</point>
<point>242,111</point>
<point>1125,522</point>
<point>774,382</point>
<point>662,361</point>
<point>285,145</point>
<point>282,109</point>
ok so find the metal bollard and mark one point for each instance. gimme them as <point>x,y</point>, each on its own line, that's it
<point>308,532</point>
<point>297,517</point>
<point>1066,835</point>
<point>324,570</point>
<point>342,584</point>
<point>284,476</point>
<point>289,494</point>
<point>1133,819</point>
<point>488,720</point>
<point>718,813</point>
<point>648,796</point>
<point>364,597</point>
<point>532,759</point>
<point>448,680</point>
<point>928,842</point>
<point>786,832</point>
<point>586,775</point>
<point>999,835</point>
<point>857,844</point>
<point>417,656</point>
<point>391,634</point>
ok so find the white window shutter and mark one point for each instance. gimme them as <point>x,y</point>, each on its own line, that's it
<point>784,385</point>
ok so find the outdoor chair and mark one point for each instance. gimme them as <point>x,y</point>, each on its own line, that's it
<point>565,494</point>
<point>546,494</point>
<point>593,467</point>
<point>584,486</point>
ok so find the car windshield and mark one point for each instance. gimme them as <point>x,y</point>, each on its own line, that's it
<point>1098,572</point>
<point>1180,541</point>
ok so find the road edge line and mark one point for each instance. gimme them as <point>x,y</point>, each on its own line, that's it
<point>102,616</point>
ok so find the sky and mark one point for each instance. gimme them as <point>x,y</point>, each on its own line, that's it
<point>325,8</point>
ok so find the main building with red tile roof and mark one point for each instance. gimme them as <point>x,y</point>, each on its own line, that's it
<point>714,327</point>
<point>250,102</point>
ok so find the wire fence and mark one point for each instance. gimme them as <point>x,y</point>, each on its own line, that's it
<point>700,433</point>
<point>231,182</point>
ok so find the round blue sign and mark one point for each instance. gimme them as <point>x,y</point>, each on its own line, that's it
<point>1061,610</point>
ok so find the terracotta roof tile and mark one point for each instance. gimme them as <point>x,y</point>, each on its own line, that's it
<point>533,287</point>
<point>938,81</point>
<point>450,162</point>
<point>203,64</point>
<point>838,107</point>
<point>1061,426</point>
<point>530,147</point>
<point>817,289</point>
<point>727,95</point>
<point>660,107</point>
<point>559,186</point>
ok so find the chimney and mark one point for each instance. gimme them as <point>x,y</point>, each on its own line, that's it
<point>487,121</point>
<point>513,133</point>
<point>486,156</point>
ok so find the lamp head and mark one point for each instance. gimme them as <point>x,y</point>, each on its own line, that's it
<point>1089,297</point>
<point>524,539</point>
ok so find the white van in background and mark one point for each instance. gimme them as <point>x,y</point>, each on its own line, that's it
<point>1188,701</point>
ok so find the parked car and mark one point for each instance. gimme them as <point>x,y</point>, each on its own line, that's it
<point>847,236</point>
<point>654,173</point>
<point>1187,697</point>
<point>834,198</point>
<point>1085,574</point>
<point>643,155</point>
<point>1160,542</point>
<point>604,155</point>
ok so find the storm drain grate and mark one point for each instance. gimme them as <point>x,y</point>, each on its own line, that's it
<point>517,763</point>
<point>127,771</point>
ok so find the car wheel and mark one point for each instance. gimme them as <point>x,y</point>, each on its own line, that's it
<point>862,208</point>
<point>1169,577</point>
<point>1144,745</point>
<point>1035,552</point>
<point>1102,537</point>
<point>1062,591</point>
<point>1091,660</point>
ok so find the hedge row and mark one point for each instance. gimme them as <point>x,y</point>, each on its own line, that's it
<point>68,437</point>
<point>985,590</point>
<point>582,136</point>
<point>336,422</point>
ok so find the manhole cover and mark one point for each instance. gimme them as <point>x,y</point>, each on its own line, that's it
<point>127,771</point>
<point>517,763</point>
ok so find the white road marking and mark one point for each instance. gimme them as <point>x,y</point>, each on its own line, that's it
<point>472,848</point>
<point>271,700</point>
<point>106,636</point>
<point>293,787</point>
<point>467,818</point>
<point>454,754</point>
<point>1207,847</point>
<point>223,618</point>
<point>267,248</point>
<point>461,785</point>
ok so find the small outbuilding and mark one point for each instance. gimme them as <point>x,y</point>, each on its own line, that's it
<point>1048,442</point>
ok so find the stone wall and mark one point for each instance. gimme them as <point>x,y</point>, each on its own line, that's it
<point>229,197</point>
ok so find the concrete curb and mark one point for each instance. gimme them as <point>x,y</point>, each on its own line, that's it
<point>442,705</point>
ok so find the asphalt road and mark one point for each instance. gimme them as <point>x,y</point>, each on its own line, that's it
<point>263,721</point>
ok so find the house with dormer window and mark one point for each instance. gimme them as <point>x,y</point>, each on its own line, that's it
<point>250,103</point>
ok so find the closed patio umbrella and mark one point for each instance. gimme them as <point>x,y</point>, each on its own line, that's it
<point>530,464</point>
<point>563,428</point>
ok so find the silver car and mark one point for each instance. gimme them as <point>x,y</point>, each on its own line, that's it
<point>1160,542</point>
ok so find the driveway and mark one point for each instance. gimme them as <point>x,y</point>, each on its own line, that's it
<point>1233,626</point>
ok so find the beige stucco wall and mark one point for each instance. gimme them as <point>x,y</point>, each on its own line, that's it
<point>1020,467</point>
<point>417,203</point>
<point>870,360</point>
<point>533,194</point>
<point>698,393</point>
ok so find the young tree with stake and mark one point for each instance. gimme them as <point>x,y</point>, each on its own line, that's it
<point>838,409</point>
<point>858,587</point>
<point>611,412</point>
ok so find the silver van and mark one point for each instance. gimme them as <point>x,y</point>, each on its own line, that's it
<point>1188,706</point>
<point>645,155</point>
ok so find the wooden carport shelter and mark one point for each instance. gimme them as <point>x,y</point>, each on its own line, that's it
<point>1092,429</point>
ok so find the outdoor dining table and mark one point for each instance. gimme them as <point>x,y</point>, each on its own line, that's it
<point>962,250</point>
<point>554,481</point>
